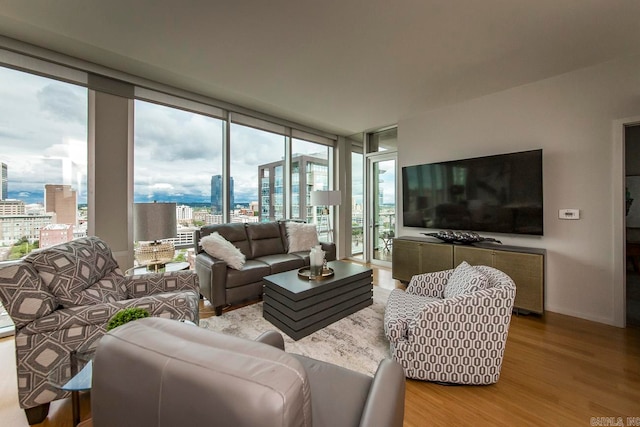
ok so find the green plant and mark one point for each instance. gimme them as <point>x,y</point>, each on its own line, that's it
<point>126,315</point>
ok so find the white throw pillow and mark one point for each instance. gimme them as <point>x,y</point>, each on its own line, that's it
<point>301,236</point>
<point>217,246</point>
<point>465,279</point>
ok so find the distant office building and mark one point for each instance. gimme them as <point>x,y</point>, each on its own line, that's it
<point>54,234</point>
<point>306,172</point>
<point>15,227</point>
<point>12,207</point>
<point>184,236</point>
<point>4,190</point>
<point>184,214</point>
<point>63,200</point>
<point>244,218</point>
<point>217,194</point>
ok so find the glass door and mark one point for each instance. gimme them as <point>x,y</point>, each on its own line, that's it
<point>382,207</point>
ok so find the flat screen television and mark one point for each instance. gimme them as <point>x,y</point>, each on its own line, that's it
<point>498,194</point>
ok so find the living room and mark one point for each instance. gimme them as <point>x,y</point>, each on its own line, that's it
<point>574,105</point>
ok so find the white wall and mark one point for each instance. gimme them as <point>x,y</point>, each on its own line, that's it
<point>571,118</point>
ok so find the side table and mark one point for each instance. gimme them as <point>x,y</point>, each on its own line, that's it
<point>74,374</point>
<point>170,266</point>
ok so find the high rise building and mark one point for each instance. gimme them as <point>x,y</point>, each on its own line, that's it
<point>184,214</point>
<point>4,190</point>
<point>217,194</point>
<point>12,207</point>
<point>63,200</point>
<point>54,234</point>
<point>308,173</point>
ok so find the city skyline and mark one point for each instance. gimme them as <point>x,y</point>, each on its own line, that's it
<point>43,134</point>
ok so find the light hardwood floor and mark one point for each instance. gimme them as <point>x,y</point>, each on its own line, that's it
<point>557,371</point>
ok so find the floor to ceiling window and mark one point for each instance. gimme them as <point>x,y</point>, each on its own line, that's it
<point>382,157</point>
<point>43,156</point>
<point>357,202</point>
<point>43,146</point>
<point>257,170</point>
<point>310,172</point>
<point>178,158</point>
<point>180,140</point>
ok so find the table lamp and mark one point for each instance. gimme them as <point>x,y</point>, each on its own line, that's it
<point>153,222</point>
<point>326,198</point>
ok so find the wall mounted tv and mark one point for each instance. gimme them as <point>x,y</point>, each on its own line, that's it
<point>498,194</point>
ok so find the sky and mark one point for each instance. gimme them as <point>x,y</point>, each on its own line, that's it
<point>43,139</point>
<point>43,134</point>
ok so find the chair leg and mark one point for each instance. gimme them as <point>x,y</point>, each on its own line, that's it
<point>218,310</point>
<point>37,414</point>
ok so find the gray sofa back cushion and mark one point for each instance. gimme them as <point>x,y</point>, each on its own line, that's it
<point>265,239</point>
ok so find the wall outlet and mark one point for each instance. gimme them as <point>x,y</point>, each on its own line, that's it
<point>569,214</point>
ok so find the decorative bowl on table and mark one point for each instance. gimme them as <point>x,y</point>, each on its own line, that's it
<point>461,237</point>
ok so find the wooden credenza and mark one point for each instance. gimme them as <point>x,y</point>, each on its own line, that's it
<point>415,255</point>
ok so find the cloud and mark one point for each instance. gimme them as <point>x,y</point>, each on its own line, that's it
<point>61,101</point>
<point>43,139</point>
<point>42,122</point>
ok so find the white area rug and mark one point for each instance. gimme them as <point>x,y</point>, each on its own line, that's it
<point>356,342</point>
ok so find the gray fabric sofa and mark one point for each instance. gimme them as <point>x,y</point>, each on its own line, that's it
<point>154,372</point>
<point>265,246</point>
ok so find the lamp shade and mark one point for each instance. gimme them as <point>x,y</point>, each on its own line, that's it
<point>154,221</point>
<point>325,198</point>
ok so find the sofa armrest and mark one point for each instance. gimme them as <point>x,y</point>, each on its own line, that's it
<point>212,275</point>
<point>494,304</point>
<point>400,313</point>
<point>177,305</point>
<point>272,338</point>
<point>329,249</point>
<point>385,403</point>
<point>151,284</point>
<point>429,284</point>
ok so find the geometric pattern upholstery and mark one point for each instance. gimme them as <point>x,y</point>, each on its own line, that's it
<point>24,295</point>
<point>47,333</point>
<point>465,279</point>
<point>400,310</point>
<point>71,268</point>
<point>457,340</point>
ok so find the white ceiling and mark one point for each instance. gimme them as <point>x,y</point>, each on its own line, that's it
<point>343,66</point>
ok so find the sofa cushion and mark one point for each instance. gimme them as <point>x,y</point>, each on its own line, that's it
<point>70,268</point>
<point>282,262</point>
<point>301,236</point>
<point>219,247</point>
<point>24,296</point>
<point>108,289</point>
<point>465,279</point>
<point>265,239</point>
<point>252,271</point>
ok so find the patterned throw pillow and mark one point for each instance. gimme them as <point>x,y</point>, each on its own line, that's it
<point>219,247</point>
<point>24,296</point>
<point>302,237</point>
<point>465,279</point>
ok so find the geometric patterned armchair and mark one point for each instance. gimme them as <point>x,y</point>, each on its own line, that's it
<point>451,326</point>
<point>61,298</point>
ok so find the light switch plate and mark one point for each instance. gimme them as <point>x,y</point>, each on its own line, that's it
<point>569,214</point>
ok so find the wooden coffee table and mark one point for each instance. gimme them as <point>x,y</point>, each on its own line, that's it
<point>299,306</point>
